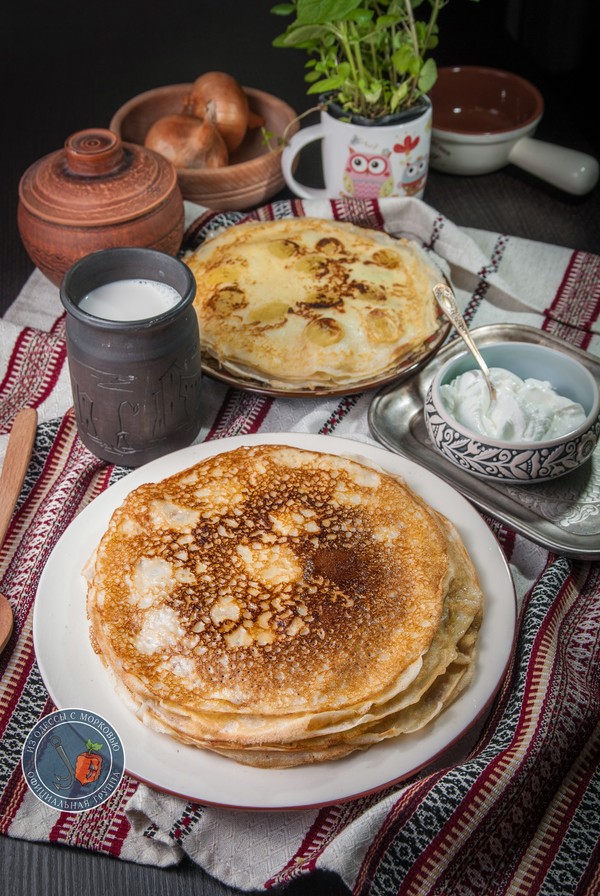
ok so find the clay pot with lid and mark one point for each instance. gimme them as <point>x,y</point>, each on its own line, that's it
<point>98,192</point>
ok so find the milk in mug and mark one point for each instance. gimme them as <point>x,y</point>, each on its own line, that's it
<point>132,299</point>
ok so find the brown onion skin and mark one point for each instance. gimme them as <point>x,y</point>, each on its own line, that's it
<point>219,96</point>
<point>187,141</point>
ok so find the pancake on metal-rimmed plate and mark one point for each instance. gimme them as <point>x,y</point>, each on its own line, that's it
<point>282,606</point>
<point>312,303</point>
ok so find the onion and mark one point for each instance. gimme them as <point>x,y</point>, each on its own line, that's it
<point>188,142</point>
<point>221,97</point>
<point>255,119</point>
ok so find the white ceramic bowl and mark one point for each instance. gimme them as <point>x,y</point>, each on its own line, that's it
<point>517,462</point>
<point>485,118</point>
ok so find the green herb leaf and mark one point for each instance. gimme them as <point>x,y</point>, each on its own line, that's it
<point>300,36</point>
<point>283,9</point>
<point>313,11</point>
<point>428,76</point>
<point>381,46</point>
<point>326,85</point>
<point>402,59</point>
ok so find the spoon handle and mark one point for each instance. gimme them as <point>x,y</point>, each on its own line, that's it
<point>448,305</point>
<point>16,461</point>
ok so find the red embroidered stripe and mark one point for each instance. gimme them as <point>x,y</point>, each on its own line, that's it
<point>32,372</point>
<point>328,823</point>
<point>342,410</point>
<point>241,413</point>
<point>402,810</point>
<point>67,483</point>
<point>102,829</point>
<point>484,273</point>
<point>577,301</point>
<point>15,788</point>
<point>363,212</point>
<point>15,678</point>
<point>536,865</point>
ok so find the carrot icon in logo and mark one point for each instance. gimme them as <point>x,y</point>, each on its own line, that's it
<point>89,764</point>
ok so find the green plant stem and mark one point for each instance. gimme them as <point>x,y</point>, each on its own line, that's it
<point>412,31</point>
<point>355,63</point>
<point>388,63</point>
<point>436,7</point>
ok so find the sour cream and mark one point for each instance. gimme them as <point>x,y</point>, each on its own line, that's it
<point>527,410</point>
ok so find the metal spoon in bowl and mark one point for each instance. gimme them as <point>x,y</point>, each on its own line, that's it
<point>16,461</point>
<point>447,302</point>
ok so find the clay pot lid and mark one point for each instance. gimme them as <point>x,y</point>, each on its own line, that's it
<point>96,179</point>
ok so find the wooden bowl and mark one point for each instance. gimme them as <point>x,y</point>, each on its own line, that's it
<point>253,174</point>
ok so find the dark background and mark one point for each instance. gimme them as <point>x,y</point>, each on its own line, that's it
<point>66,66</point>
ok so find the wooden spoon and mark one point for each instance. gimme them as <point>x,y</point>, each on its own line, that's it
<point>16,461</point>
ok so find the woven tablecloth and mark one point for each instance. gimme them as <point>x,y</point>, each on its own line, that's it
<point>518,809</point>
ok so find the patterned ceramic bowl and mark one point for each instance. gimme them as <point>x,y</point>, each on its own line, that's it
<point>525,462</point>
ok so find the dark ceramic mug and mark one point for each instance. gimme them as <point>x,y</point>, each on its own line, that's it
<point>136,383</point>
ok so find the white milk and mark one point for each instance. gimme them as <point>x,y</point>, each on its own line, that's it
<point>130,300</point>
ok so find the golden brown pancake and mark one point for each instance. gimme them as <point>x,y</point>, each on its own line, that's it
<point>283,606</point>
<point>312,303</point>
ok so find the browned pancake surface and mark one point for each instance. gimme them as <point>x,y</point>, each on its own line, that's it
<point>311,302</point>
<point>281,606</point>
<point>281,579</point>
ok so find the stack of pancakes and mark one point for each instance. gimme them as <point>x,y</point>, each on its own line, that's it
<point>282,606</point>
<point>311,303</point>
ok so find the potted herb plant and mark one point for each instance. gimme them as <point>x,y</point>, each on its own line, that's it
<point>369,64</point>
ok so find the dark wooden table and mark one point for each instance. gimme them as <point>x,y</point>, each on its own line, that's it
<point>67,66</point>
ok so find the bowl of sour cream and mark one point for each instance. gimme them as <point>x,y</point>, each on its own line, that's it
<point>544,423</point>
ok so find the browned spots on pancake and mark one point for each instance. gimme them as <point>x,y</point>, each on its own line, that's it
<point>386,259</point>
<point>272,564</point>
<point>227,299</point>
<point>338,565</point>
<point>331,246</point>
<point>293,271</point>
<point>283,248</point>
<point>283,606</point>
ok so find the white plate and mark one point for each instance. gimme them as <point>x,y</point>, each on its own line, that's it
<point>75,676</point>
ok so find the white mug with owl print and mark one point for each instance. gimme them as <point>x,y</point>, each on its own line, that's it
<point>365,161</point>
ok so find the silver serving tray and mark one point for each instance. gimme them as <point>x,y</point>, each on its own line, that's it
<point>562,515</point>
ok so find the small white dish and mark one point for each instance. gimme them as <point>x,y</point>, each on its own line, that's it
<point>510,461</point>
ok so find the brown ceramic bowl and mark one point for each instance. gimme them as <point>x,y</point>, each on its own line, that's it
<point>253,174</point>
<point>478,100</point>
<point>485,118</point>
<point>479,114</point>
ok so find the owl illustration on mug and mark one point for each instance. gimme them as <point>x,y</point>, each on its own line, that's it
<point>414,175</point>
<point>368,175</point>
